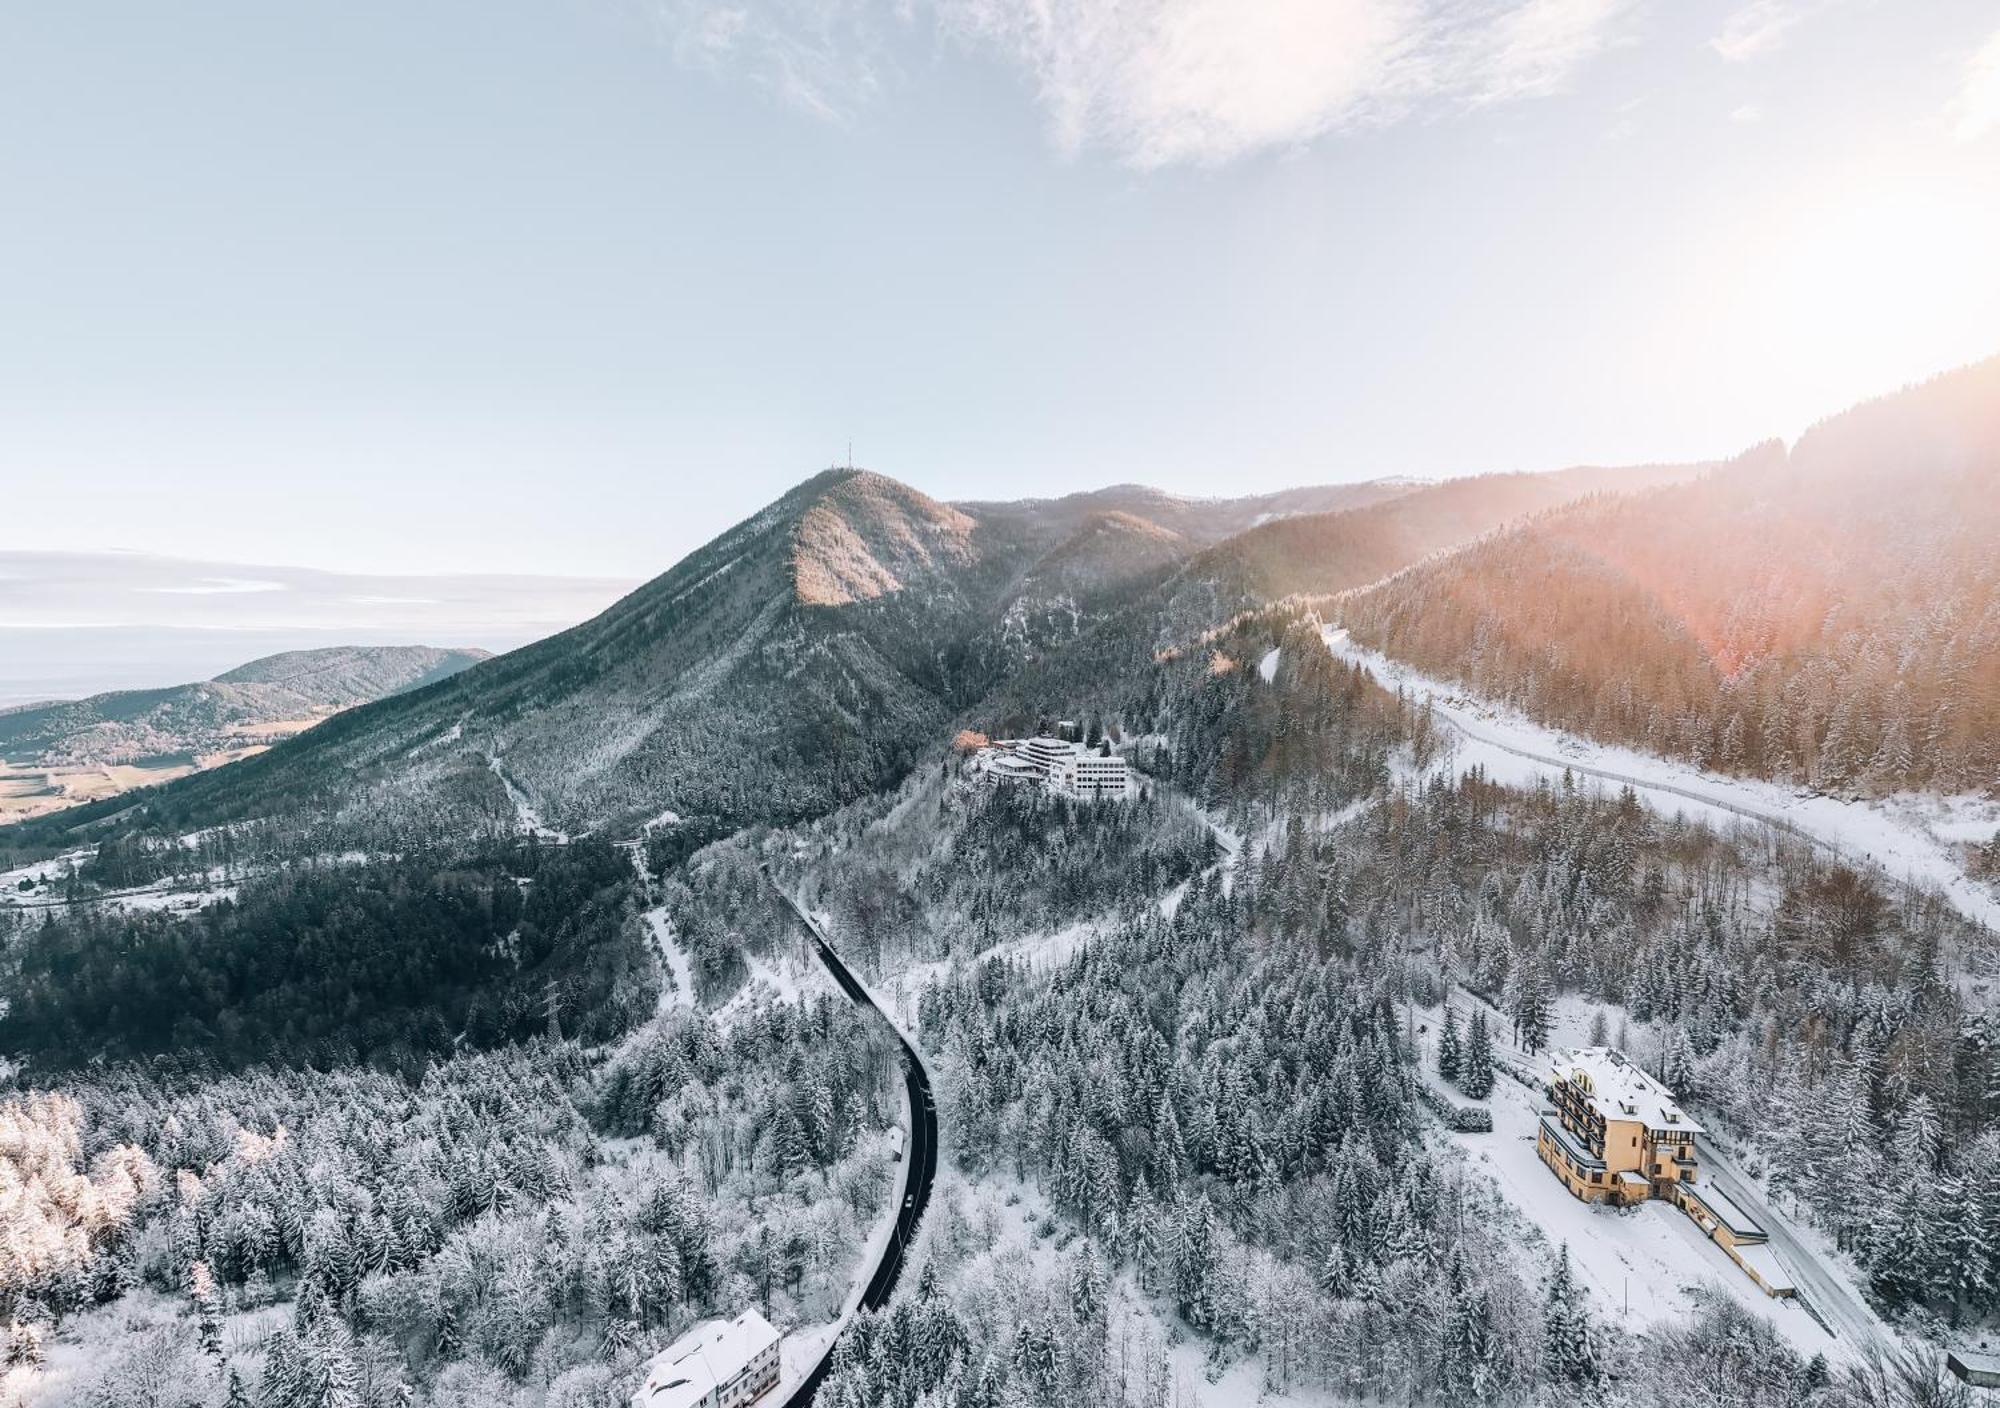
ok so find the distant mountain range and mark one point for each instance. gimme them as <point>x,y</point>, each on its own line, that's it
<point>79,623</point>
<point>148,725</point>
<point>97,746</point>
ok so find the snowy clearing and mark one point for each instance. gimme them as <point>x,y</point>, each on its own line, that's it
<point>1643,1265</point>
<point>529,819</point>
<point>674,957</point>
<point>1901,835</point>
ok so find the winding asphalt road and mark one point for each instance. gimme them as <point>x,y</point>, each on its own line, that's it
<point>920,1158</point>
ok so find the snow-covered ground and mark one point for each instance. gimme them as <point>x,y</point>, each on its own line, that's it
<point>898,988</point>
<point>41,873</point>
<point>178,895</point>
<point>674,957</point>
<point>1910,837</point>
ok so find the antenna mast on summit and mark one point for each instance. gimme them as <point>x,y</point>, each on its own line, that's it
<point>850,454</point>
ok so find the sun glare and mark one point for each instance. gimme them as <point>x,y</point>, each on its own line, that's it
<point>1872,278</point>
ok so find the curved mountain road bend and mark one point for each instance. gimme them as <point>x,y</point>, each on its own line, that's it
<point>920,1157</point>
<point>1637,784</point>
<point>1824,1288</point>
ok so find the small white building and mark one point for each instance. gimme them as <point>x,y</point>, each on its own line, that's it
<point>717,1364</point>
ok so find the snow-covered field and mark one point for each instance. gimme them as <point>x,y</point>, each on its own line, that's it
<point>178,895</point>
<point>1910,837</point>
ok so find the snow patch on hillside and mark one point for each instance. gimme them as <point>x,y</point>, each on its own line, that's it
<point>674,957</point>
<point>1910,837</point>
<point>526,816</point>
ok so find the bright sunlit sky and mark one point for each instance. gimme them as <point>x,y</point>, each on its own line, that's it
<point>570,285</point>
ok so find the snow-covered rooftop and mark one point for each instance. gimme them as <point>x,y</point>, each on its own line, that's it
<point>712,1353</point>
<point>1619,1090</point>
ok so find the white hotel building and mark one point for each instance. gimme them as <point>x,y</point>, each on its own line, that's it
<point>717,1364</point>
<point>1067,768</point>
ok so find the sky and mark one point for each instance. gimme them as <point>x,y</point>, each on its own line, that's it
<point>569,286</point>
<point>74,624</point>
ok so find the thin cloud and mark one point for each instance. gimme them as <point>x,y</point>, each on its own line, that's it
<point>1977,111</point>
<point>1162,82</point>
<point>821,57</point>
<point>219,586</point>
<point>1531,51</point>
<point>1756,29</point>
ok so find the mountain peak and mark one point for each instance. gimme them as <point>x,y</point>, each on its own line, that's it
<point>865,535</point>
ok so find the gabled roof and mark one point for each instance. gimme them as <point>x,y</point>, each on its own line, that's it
<point>1619,1090</point>
<point>713,1352</point>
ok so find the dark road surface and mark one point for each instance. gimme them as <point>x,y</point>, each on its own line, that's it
<point>921,1156</point>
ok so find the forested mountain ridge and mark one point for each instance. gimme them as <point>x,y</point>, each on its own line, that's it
<point>1201,520</point>
<point>1828,615</point>
<point>1318,554</point>
<point>798,661</point>
<point>1107,666</point>
<point>812,653</point>
<point>125,726</point>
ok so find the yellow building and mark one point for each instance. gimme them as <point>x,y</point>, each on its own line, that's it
<point>1612,1133</point>
<point>1615,1135</point>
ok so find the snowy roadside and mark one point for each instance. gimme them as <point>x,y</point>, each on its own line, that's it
<point>1908,836</point>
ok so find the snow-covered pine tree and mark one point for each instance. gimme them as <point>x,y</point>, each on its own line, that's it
<point>1476,1071</point>
<point>207,1309</point>
<point>1569,1350</point>
<point>1677,1063</point>
<point>1531,1007</point>
<point>1448,1052</point>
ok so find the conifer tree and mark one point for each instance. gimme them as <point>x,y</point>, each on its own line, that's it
<point>1569,1355</point>
<point>1449,1055</point>
<point>1476,1070</point>
<point>1531,1007</point>
<point>208,1310</point>
<point>1677,1064</point>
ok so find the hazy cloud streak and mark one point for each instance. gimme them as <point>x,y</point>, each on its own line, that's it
<point>1978,107</point>
<point>1159,82</point>
<point>1756,29</point>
